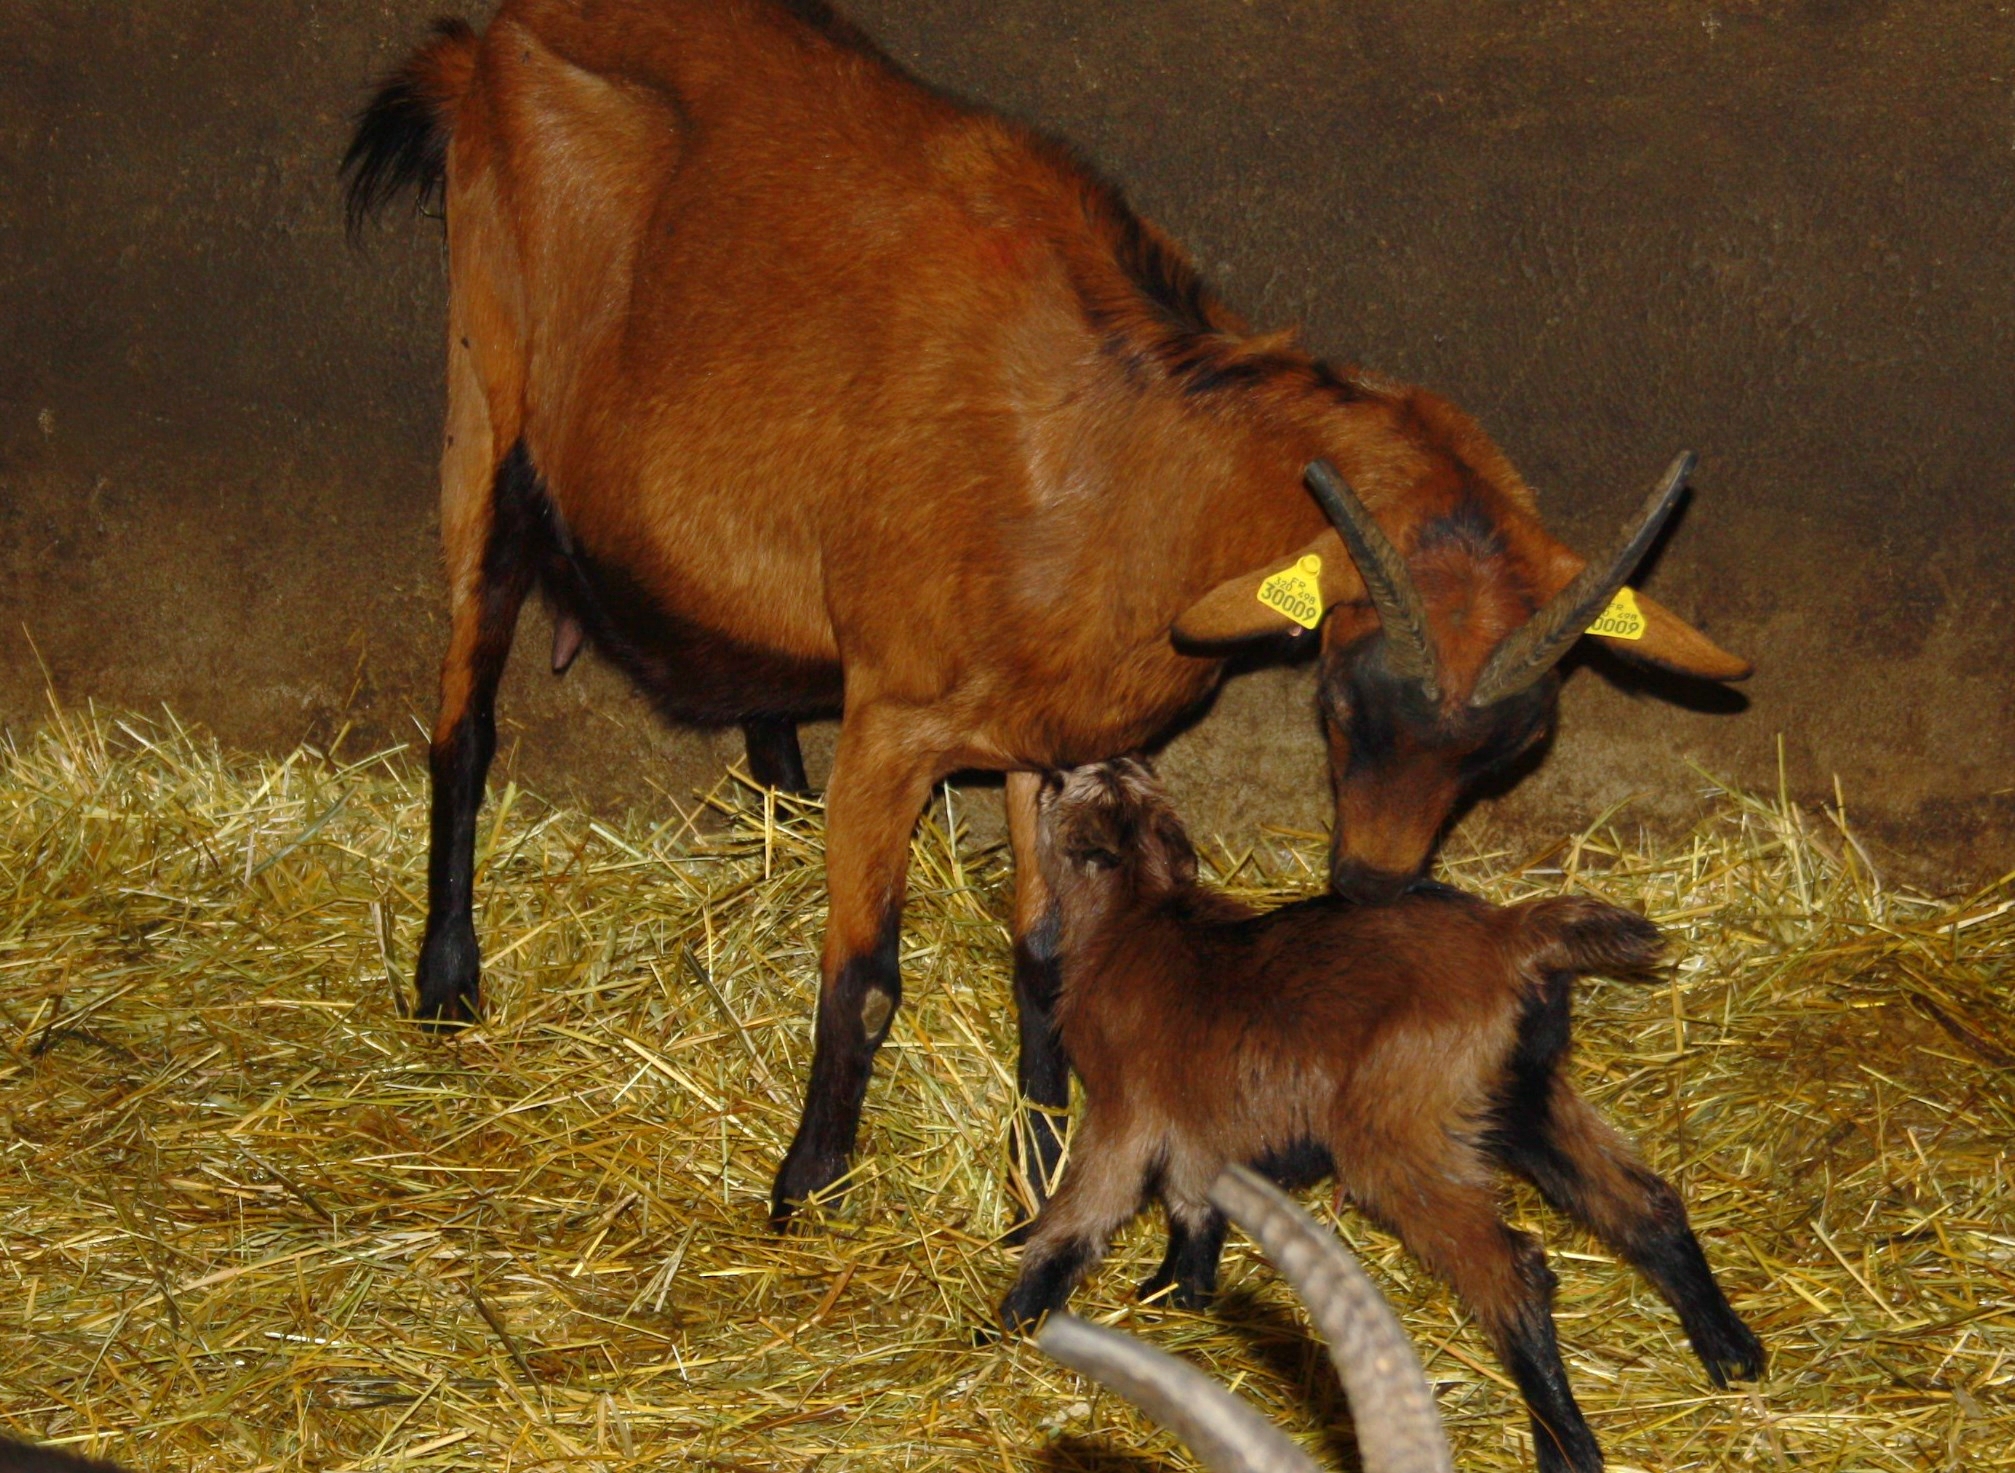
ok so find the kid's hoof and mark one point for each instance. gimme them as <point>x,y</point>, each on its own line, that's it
<point>1730,1353</point>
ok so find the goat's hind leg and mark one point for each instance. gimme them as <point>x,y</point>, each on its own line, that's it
<point>1589,1171</point>
<point>1443,1206</point>
<point>490,523</point>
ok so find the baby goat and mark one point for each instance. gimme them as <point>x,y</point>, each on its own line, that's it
<point>1409,1049</point>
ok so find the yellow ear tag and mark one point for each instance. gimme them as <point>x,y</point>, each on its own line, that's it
<point>1622,619</point>
<point>1296,593</point>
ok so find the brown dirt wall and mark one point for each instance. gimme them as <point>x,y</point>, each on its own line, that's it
<point>1776,232</point>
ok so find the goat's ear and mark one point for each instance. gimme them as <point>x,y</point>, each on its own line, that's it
<point>1232,611</point>
<point>1097,836</point>
<point>1173,849</point>
<point>1664,640</point>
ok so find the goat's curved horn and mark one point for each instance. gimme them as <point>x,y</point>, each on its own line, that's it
<point>1536,646</point>
<point>1409,651</point>
<point>1398,1426</point>
<point>1226,1435</point>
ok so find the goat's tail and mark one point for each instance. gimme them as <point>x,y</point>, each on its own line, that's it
<point>402,137</point>
<point>1578,935</point>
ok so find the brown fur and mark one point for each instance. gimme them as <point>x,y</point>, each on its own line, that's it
<point>1413,1047</point>
<point>826,392</point>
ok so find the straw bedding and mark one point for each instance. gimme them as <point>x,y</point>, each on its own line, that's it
<point>252,1219</point>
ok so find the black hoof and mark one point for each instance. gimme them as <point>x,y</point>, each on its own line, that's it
<point>1044,1284</point>
<point>1022,1311</point>
<point>449,978</point>
<point>1730,1352</point>
<point>802,1178</point>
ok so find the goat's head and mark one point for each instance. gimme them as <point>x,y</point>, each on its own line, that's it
<point>1107,833</point>
<point>1439,641</point>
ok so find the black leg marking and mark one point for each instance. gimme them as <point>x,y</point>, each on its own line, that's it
<point>450,965</point>
<point>775,758</point>
<point>1548,1134</point>
<point>1654,1238</point>
<point>1043,1071</point>
<point>1045,1283</point>
<point>450,961</point>
<point>853,1019</point>
<point>1670,1257</point>
<point>1527,1345</point>
<point>1190,1265</point>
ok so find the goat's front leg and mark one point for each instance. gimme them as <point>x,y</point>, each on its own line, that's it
<point>1195,1243</point>
<point>488,520</point>
<point>878,789</point>
<point>1102,1187</point>
<point>1042,1071</point>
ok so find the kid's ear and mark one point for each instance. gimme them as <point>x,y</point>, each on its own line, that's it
<point>1175,855</point>
<point>1263,600</point>
<point>1096,837</point>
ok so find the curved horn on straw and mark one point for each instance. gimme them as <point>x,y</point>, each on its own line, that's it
<point>1536,646</point>
<point>1409,652</point>
<point>1398,1426</point>
<point>1226,1435</point>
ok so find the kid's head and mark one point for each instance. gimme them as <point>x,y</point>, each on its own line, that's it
<point>1108,830</point>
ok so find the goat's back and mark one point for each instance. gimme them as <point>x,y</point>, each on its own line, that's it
<point>1323,1010</point>
<point>799,346</point>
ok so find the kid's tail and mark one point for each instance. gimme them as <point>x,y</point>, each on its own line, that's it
<point>402,137</point>
<point>1578,935</point>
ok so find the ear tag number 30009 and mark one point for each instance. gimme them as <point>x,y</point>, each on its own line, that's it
<point>1296,593</point>
<point>1622,619</point>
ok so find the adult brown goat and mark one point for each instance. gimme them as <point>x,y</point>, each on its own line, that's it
<point>800,388</point>
<point>1407,1049</point>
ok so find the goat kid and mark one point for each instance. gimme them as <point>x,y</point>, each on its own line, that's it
<point>798,388</point>
<point>1410,1050</point>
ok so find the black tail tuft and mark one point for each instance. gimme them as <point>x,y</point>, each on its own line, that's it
<point>1579,935</point>
<point>401,140</point>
